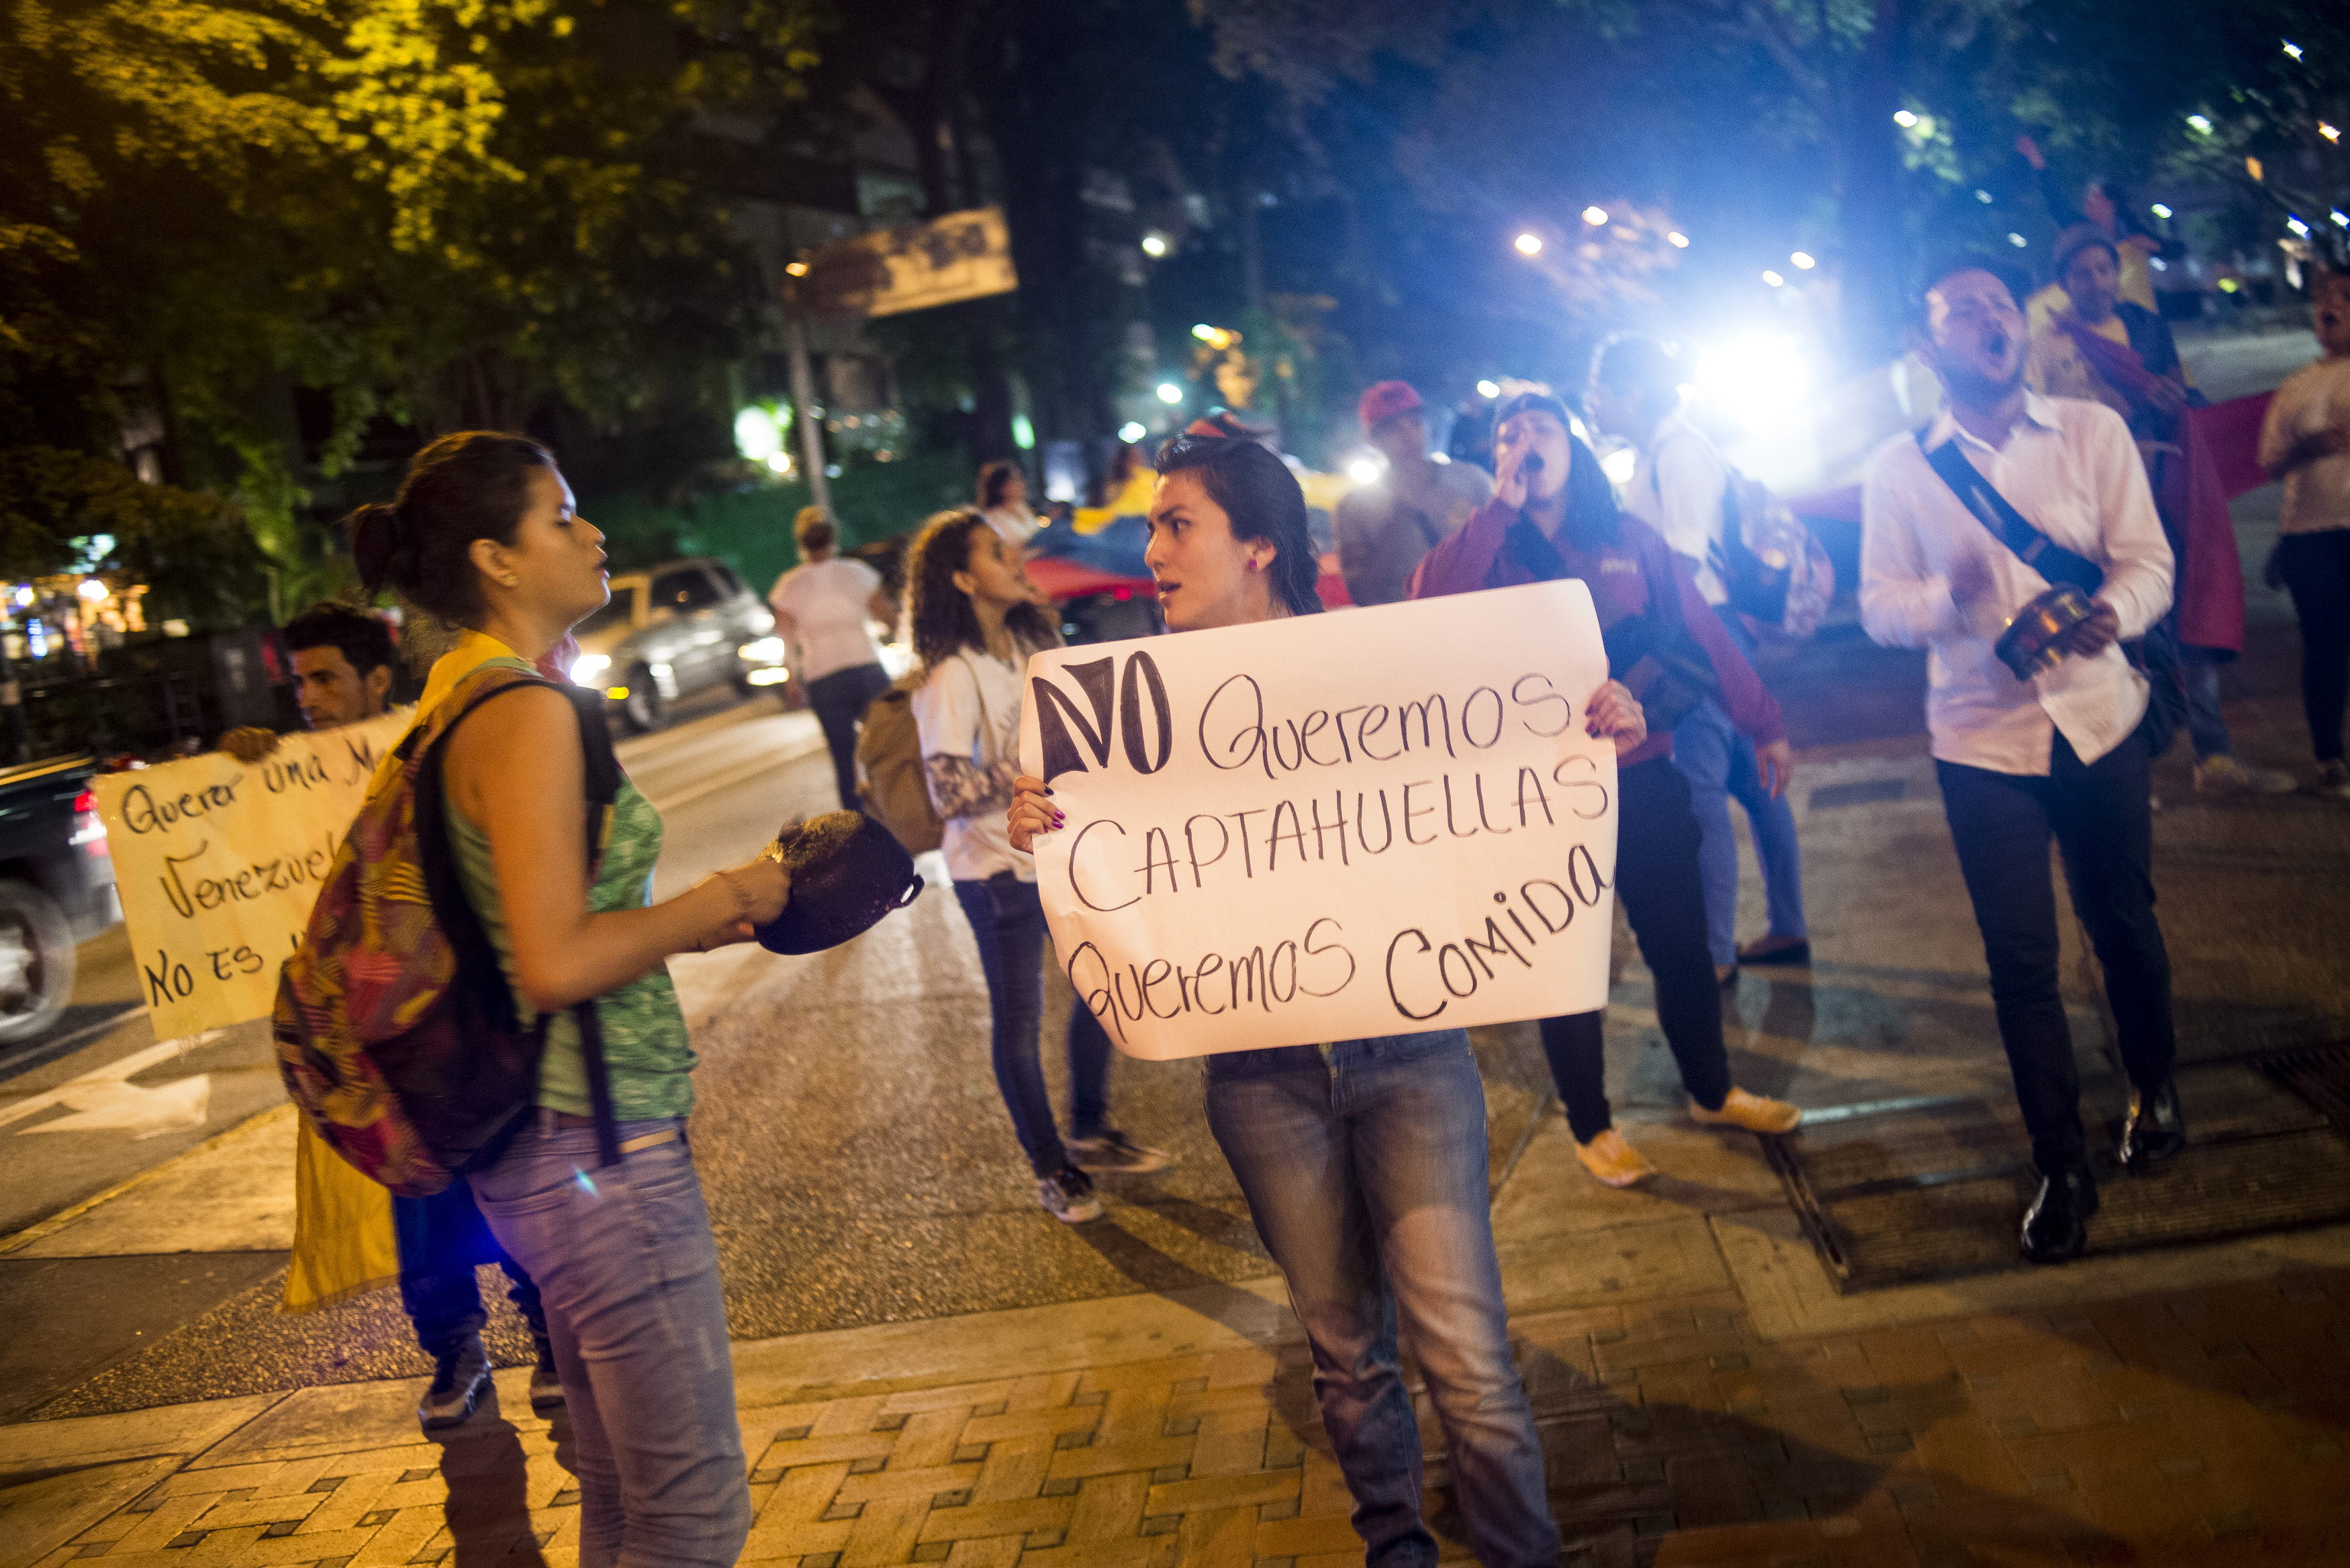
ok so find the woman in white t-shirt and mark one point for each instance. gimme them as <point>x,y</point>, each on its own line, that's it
<point>1003,502</point>
<point>974,623</point>
<point>823,608</point>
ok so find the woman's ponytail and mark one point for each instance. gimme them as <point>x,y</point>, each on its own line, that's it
<point>474,484</point>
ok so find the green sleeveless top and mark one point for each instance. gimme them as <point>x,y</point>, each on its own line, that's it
<point>645,1045</point>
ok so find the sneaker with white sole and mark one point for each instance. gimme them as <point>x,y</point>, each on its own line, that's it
<point>459,1378</point>
<point>1110,1149</point>
<point>2223,775</point>
<point>1068,1197</point>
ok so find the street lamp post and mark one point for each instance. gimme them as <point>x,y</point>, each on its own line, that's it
<point>804,411</point>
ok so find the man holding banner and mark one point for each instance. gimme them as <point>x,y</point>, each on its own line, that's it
<point>1378,874</point>
<point>343,673</point>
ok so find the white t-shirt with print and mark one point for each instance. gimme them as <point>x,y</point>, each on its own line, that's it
<point>969,707</point>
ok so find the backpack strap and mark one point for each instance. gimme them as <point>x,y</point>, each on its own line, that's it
<point>477,957</point>
<point>603,782</point>
<point>2010,527</point>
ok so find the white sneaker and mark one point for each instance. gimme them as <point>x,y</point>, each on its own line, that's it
<point>1069,1196</point>
<point>2223,775</point>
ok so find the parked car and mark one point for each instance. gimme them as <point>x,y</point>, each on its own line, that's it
<point>57,888</point>
<point>674,631</point>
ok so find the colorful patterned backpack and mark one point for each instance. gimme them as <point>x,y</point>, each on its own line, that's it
<point>396,1033</point>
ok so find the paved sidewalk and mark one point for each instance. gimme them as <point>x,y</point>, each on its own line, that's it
<point>2171,1424</point>
<point>1706,1393</point>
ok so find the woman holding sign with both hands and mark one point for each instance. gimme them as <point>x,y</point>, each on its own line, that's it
<point>1552,515</point>
<point>1364,1162</point>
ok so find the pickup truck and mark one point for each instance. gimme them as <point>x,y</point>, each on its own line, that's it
<point>56,888</point>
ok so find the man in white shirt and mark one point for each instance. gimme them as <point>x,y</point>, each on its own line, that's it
<point>2059,755</point>
<point>822,609</point>
<point>1677,488</point>
<point>1385,527</point>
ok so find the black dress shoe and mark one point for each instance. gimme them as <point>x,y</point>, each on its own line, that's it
<point>2154,1130</point>
<point>2056,1226</point>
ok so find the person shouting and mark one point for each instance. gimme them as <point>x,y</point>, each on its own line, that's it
<point>1363,1161</point>
<point>1552,515</point>
<point>2061,755</point>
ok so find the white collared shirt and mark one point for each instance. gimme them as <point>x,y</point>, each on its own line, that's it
<point>2072,468</point>
<point>1677,489</point>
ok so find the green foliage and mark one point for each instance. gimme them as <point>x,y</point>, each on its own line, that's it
<point>192,549</point>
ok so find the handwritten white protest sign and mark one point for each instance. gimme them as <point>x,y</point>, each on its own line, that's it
<point>1330,827</point>
<point>219,861</point>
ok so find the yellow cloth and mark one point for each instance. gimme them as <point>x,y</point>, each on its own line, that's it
<point>1134,500</point>
<point>344,1244</point>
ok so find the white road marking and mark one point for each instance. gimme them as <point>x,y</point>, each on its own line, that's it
<point>106,1094</point>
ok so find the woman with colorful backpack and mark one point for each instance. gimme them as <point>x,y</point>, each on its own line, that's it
<point>608,1219</point>
<point>975,621</point>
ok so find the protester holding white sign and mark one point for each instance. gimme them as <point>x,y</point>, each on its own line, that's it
<point>1553,518</point>
<point>1364,1160</point>
<point>973,618</point>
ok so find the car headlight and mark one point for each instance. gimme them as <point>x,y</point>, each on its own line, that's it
<point>588,669</point>
<point>765,650</point>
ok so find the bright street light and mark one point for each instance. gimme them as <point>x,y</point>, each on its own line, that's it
<point>1154,245</point>
<point>2291,50</point>
<point>1773,278</point>
<point>1595,215</point>
<point>1803,261</point>
<point>1982,196</point>
<point>1760,380</point>
<point>1130,432</point>
<point>2018,241</point>
<point>1678,240</point>
<point>1529,244</point>
<point>1904,118</point>
<point>2159,210</point>
<point>2328,131</point>
<point>1169,392</point>
<point>2300,228</point>
<point>2201,123</point>
<point>1363,470</point>
<point>1488,390</point>
<point>2341,221</point>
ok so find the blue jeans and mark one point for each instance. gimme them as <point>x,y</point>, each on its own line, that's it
<point>1719,764</point>
<point>442,1239</point>
<point>1364,1171</point>
<point>626,1264</point>
<point>2199,672</point>
<point>1009,923</point>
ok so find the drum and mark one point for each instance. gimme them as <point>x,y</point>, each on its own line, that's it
<point>2034,642</point>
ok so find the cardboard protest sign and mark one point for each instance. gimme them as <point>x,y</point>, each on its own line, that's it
<point>219,861</point>
<point>1330,827</point>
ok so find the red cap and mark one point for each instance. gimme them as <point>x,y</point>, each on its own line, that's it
<point>1385,402</point>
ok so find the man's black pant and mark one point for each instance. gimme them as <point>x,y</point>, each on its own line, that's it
<point>2103,824</point>
<point>839,700</point>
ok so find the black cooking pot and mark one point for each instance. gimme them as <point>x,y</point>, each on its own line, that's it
<point>847,871</point>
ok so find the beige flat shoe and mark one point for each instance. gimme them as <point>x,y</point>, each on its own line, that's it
<point>1614,1162</point>
<point>1755,1113</point>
